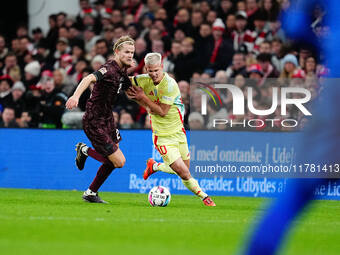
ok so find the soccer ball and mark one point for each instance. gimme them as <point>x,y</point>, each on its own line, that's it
<point>159,196</point>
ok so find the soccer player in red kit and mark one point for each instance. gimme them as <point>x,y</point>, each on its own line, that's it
<point>98,122</point>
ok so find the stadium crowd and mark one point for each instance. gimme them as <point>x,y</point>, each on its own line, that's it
<point>227,41</point>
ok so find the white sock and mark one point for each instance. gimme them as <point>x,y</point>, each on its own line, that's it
<point>155,166</point>
<point>84,149</point>
<point>89,192</point>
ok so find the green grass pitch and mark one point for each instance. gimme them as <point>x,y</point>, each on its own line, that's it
<point>58,222</point>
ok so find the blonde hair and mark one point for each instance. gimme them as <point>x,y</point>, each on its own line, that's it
<point>153,58</point>
<point>122,40</point>
<point>189,40</point>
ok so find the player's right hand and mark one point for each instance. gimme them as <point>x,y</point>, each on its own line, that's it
<point>72,102</point>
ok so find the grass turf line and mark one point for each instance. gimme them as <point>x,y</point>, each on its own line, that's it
<point>58,222</point>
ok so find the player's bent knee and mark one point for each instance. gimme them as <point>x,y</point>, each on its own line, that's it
<point>119,163</point>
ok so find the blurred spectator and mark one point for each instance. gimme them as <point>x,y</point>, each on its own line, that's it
<point>22,30</point>
<point>310,66</point>
<point>211,17</point>
<point>196,121</point>
<point>119,31</point>
<point>17,101</point>
<point>5,90</point>
<point>182,21</point>
<point>160,25</point>
<point>242,38</point>
<point>241,6</point>
<point>221,77</point>
<point>3,50</point>
<point>78,72</point>
<point>15,45</point>
<point>117,17</point>
<point>127,20</point>
<point>184,88</point>
<point>225,8</point>
<point>37,35</point>
<point>222,50</point>
<point>8,118</point>
<point>97,61</point>
<point>240,81</point>
<point>261,32</point>
<point>204,7</point>
<point>146,25</point>
<point>179,35</point>
<point>136,8</point>
<point>65,63</point>
<point>52,102</point>
<point>78,52</point>
<point>62,48</point>
<point>132,31</point>
<point>85,9</point>
<point>230,25</point>
<point>105,16</point>
<point>174,54</point>
<point>196,21</point>
<point>204,44</point>
<point>140,52</point>
<point>108,35</point>
<point>275,30</point>
<point>25,120</point>
<point>277,53</point>
<point>238,66</point>
<point>73,119</point>
<point>252,7</point>
<point>32,73</point>
<point>102,48</point>
<point>187,61</point>
<point>52,34</point>
<point>60,82</point>
<point>126,121</point>
<point>289,64</point>
<point>269,71</point>
<point>255,72</point>
<point>90,38</point>
<point>61,18</point>
<point>271,7</point>
<point>11,67</point>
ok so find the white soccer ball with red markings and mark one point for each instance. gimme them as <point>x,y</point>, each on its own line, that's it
<point>159,196</point>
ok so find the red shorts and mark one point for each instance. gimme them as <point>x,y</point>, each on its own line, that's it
<point>103,135</point>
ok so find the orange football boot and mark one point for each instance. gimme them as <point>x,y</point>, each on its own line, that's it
<point>149,168</point>
<point>208,201</point>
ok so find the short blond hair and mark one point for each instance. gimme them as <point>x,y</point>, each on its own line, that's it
<point>122,40</point>
<point>153,58</point>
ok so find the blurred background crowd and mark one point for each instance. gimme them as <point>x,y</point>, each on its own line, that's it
<point>228,41</point>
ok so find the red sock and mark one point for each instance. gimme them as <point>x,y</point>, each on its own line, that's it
<point>97,156</point>
<point>102,174</point>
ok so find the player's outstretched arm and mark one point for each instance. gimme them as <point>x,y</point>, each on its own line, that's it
<point>72,102</point>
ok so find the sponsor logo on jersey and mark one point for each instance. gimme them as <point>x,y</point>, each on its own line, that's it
<point>103,70</point>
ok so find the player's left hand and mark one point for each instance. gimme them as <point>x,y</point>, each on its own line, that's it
<point>130,93</point>
<point>135,93</point>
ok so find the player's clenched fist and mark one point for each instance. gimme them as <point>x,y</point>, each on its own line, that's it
<point>72,102</point>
